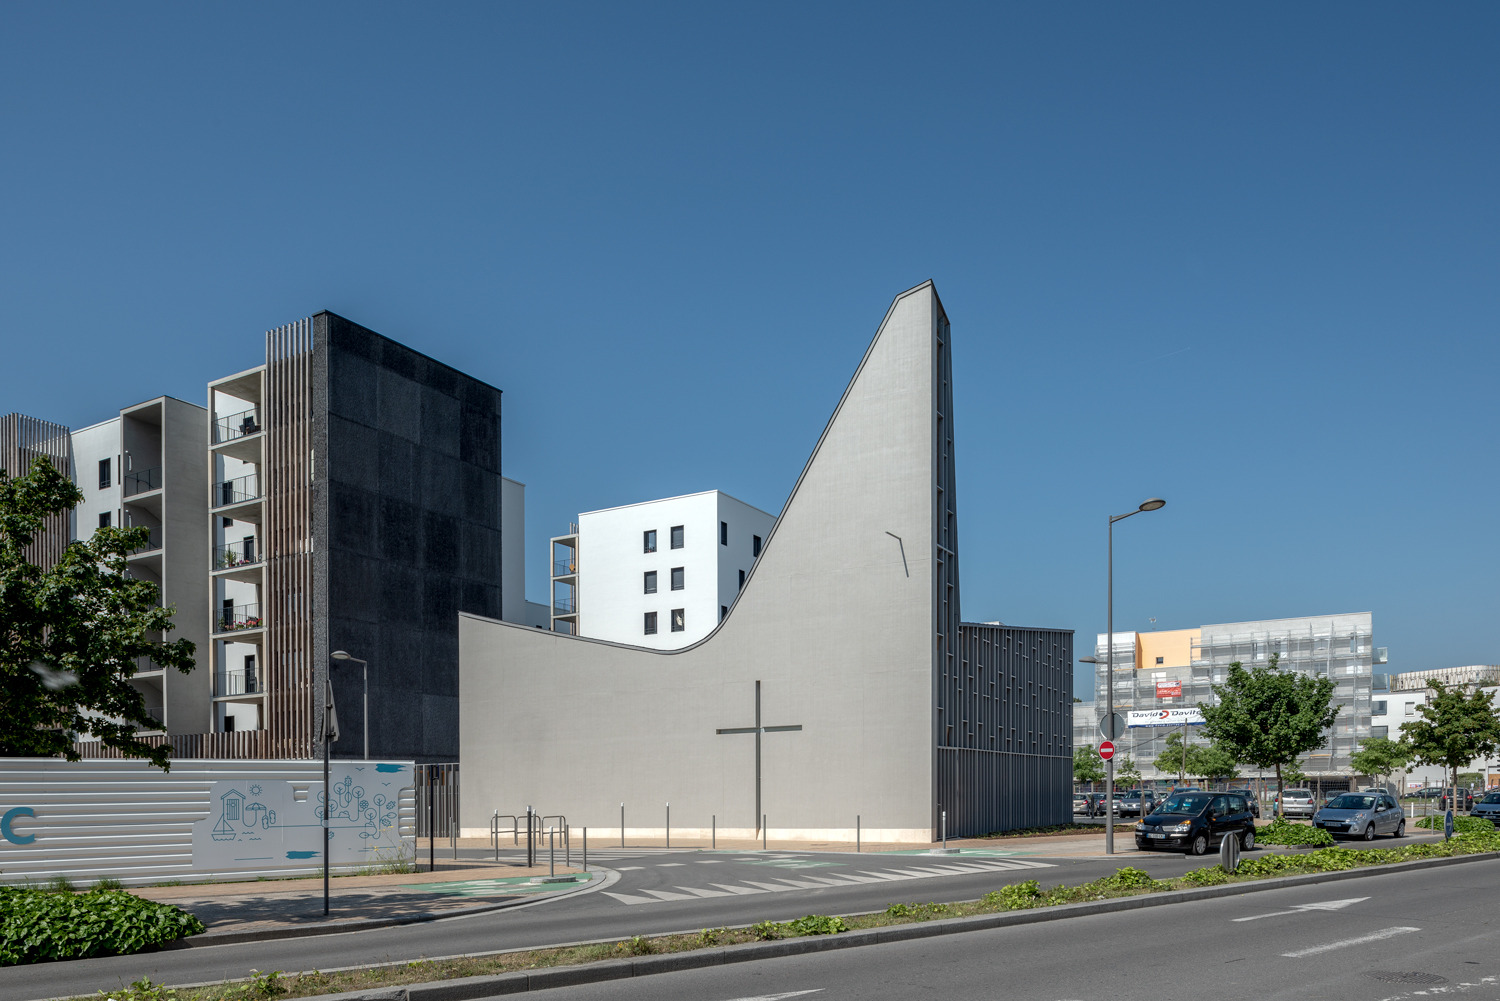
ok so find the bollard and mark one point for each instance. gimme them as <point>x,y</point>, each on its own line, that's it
<point>856,832</point>
<point>622,825</point>
<point>669,825</point>
<point>567,845</point>
<point>1229,853</point>
<point>715,842</point>
<point>763,832</point>
<point>585,849</point>
<point>551,852</point>
<point>945,830</point>
<point>495,834</point>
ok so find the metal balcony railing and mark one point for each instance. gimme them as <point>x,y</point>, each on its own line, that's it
<point>562,568</point>
<point>153,541</point>
<point>241,488</point>
<point>239,617</point>
<point>236,426</point>
<point>237,554</point>
<point>564,606</point>
<point>238,683</point>
<point>139,481</point>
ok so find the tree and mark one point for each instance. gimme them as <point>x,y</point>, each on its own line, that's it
<point>1128,773</point>
<point>1380,757</point>
<point>1171,761</point>
<point>1457,725</point>
<point>72,635</point>
<point>1087,766</point>
<point>1267,717</point>
<point>1215,763</point>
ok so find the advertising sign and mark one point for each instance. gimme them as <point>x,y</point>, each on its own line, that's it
<point>1169,689</point>
<point>1184,716</point>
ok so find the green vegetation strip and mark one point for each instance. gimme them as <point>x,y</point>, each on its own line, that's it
<point>37,925</point>
<point>1126,882</point>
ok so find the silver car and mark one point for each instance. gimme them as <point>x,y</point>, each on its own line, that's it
<point>1488,808</point>
<point>1362,815</point>
<point>1297,803</point>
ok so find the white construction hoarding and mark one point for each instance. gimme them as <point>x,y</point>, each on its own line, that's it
<point>1183,716</point>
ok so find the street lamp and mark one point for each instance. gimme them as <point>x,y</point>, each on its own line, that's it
<point>329,733</point>
<point>365,673</point>
<point>1154,504</point>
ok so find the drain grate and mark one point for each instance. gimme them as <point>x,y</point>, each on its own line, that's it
<point>1414,977</point>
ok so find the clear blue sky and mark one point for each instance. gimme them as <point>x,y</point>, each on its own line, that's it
<point>1241,257</point>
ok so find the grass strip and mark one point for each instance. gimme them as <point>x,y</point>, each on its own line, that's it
<point>1124,882</point>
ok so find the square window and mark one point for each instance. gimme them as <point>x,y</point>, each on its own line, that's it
<point>676,536</point>
<point>649,540</point>
<point>650,581</point>
<point>723,533</point>
<point>754,546</point>
<point>650,623</point>
<point>1160,660</point>
<point>104,520</point>
<point>677,578</point>
<point>679,620</point>
<point>104,479</point>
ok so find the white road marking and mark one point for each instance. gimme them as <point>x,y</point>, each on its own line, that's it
<point>780,997</point>
<point>1327,905</point>
<point>714,861</point>
<point>1384,933</point>
<point>668,865</point>
<point>627,868</point>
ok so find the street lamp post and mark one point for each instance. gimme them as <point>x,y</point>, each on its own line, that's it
<point>1154,504</point>
<point>329,733</point>
<point>365,674</point>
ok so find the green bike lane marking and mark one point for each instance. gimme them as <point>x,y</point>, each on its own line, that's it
<point>500,886</point>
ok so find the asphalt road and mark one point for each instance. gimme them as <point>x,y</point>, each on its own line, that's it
<point>655,892</point>
<point>1390,936</point>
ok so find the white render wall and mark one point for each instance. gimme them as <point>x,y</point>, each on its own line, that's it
<point>612,564</point>
<point>512,550</point>
<point>90,445</point>
<point>1401,707</point>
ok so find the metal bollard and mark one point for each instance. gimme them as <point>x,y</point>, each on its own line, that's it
<point>551,852</point>
<point>567,845</point>
<point>1229,853</point>
<point>945,830</point>
<point>715,842</point>
<point>856,832</point>
<point>622,825</point>
<point>669,825</point>
<point>585,849</point>
<point>763,832</point>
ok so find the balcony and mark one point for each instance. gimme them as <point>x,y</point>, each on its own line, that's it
<point>564,606</point>
<point>235,426</point>
<point>153,540</point>
<point>141,481</point>
<point>238,683</point>
<point>236,491</point>
<point>564,568</point>
<point>242,560</point>
<point>238,618</point>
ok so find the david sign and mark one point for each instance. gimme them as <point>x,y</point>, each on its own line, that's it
<point>1185,716</point>
<point>1169,689</point>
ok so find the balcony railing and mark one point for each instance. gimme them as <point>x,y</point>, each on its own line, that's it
<point>237,554</point>
<point>139,481</point>
<point>239,617</point>
<point>241,488</point>
<point>562,568</point>
<point>238,683</point>
<point>153,541</point>
<point>236,426</point>
<point>564,606</point>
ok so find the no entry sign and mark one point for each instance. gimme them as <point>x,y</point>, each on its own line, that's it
<point>1106,750</point>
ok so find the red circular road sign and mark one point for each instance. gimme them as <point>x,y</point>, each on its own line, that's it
<point>1106,750</point>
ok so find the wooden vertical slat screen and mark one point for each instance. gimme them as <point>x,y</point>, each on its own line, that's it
<point>288,421</point>
<point>22,440</point>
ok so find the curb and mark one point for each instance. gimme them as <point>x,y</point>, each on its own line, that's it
<point>209,938</point>
<point>469,988</point>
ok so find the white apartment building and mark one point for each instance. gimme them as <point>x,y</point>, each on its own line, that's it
<point>1408,691</point>
<point>659,574</point>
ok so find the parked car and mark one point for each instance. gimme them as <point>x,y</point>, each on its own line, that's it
<point>1431,792</point>
<point>1131,805</point>
<point>1195,821</point>
<point>1297,803</point>
<point>1080,803</point>
<point>1093,804</point>
<point>1488,808</point>
<point>1250,798</point>
<point>1362,815</point>
<point>1463,802</point>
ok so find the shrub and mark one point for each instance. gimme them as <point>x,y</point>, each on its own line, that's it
<point>636,946</point>
<point>819,924</point>
<point>1018,896</point>
<point>36,925</point>
<point>1283,832</point>
<point>1211,876</point>
<point>1128,878</point>
<point>1461,825</point>
<point>919,911</point>
<point>767,930</point>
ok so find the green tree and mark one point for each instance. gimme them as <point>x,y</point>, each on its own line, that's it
<point>1127,773</point>
<point>1380,757</point>
<point>1171,760</point>
<point>1215,763</point>
<point>1087,766</point>
<point>1268,717</point>
<point>1457,725</point>
<point>71,635</point>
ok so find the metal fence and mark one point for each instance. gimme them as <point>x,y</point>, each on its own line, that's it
<point>437,800</point>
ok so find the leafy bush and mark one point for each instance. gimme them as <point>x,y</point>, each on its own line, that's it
<point>1211,876</point>
<point>818,924</point>
<point>767,930</point>
<point>1283,832</point>
<point>710,936</point>
<point>1461,825</point>
<point>1017,896</point>
<point>1129,878</point>
<point>919,911</point>
<point>36,925</point>
<point>142,990</point>
<point>635,946</point>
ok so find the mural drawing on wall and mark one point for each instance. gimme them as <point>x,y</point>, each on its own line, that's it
<point>265,823</point>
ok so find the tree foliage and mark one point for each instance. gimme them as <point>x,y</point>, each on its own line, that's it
<point>1127,774</point>
<point>1456,725</point>
<point>1087,765</point>
<point>1212,763</point>
<point>1380,757</point>
<point>1268,717</point>
<point>83,619</point>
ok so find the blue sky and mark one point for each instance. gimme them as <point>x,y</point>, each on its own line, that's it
<point>1244,258</point>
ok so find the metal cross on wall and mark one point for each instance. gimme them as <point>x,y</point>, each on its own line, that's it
<point>757,729</point>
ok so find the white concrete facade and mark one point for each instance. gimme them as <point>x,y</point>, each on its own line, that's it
<point>663,573</point>
<point>1399,705</point>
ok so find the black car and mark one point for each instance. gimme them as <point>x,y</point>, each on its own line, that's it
<point>1249,798</point>
<point>1195,821</point>
<point>1462,803</point>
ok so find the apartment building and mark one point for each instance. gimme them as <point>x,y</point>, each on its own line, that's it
<point>1167,668</point>
<point>1398,702</point>
<point>659,574</point>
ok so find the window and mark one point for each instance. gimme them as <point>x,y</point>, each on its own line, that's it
<point>1161,660</point>
<point>754,546</point>
<point>679,620</point>
<point>1380,731</point>
<point>228,523</point>
<point>676,536</point>
<point>1353,644</point>
<point>1411,709</point>
<point>104,520</point>
<point>649,541</point>
<point>229,728</point>
<point>723,612</point>
<point>677,579</point>
<point>650,623</point>
<point>742,579</point>
<point>650,581</point>
<point>723,533</point>
<point>104,474</point>
<point>1377,708</point>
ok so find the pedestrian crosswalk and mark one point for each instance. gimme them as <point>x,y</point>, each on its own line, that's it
<point>808,881</point>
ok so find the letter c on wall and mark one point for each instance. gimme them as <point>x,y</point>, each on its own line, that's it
<point>10,818</point>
